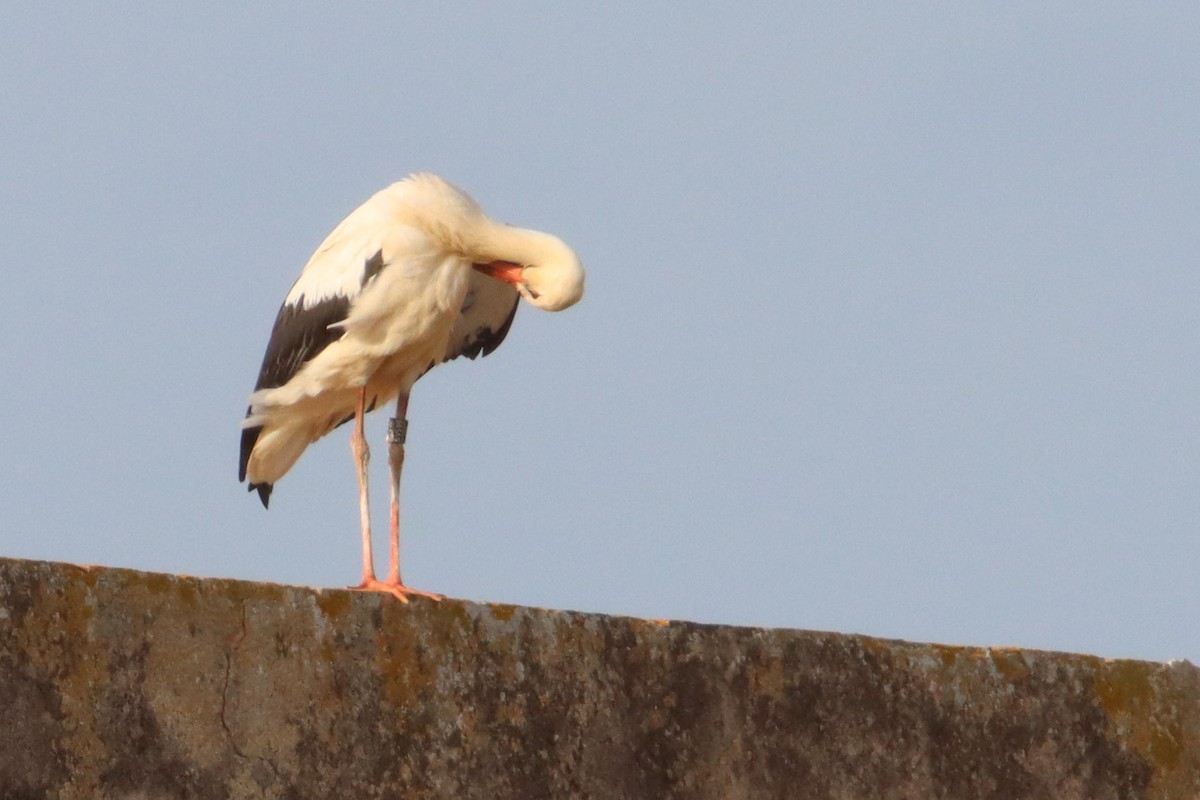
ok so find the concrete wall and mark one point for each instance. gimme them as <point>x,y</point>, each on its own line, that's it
<point>120,684</point>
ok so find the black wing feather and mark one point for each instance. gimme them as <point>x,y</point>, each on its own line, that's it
<point>487,313</point>
<point>299,336</point>
<point>484,341</point>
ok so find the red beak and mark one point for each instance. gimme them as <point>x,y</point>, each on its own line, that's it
<point>502,271</point>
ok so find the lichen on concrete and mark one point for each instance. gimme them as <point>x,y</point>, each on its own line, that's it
<point>120,684</point>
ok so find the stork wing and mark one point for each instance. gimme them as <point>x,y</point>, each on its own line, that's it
<point>308,321</point>
<point>300,333</point>
<point>483,321</point>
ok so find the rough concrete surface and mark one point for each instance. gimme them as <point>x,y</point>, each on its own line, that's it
<point>122,684</point>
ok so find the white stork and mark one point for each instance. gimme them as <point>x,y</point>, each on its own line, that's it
<point>415,276</point>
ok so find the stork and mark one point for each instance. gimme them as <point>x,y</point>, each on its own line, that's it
<point>415,276</point>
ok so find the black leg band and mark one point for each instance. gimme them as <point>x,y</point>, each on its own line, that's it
<point>397,430</point>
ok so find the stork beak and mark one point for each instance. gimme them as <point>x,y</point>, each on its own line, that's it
<point>502,271</point>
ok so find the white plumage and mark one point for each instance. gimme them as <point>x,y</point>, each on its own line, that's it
<point>416,275</point>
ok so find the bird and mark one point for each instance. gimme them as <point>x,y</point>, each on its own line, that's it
<point>415,276</point>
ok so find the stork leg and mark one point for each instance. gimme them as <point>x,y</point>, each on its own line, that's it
<point>397,431</point>
<point>362,456</point>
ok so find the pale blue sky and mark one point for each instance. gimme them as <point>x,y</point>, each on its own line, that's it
<point>891,326</point>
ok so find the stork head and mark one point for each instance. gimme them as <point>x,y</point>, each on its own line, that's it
<point>555,283</point>
<point>541,267</point>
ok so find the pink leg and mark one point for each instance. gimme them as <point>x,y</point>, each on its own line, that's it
<point>396,435</point>
<point>362,456</point>
<point>397,430</point>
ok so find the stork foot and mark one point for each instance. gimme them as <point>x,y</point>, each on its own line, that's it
<point>396,590</point>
